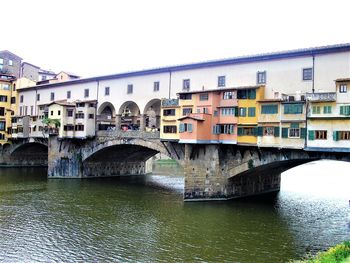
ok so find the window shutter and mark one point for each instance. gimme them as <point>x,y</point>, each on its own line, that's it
<point>231,129</point>
<point>214,129</point>
<point>277,131</point>
<point>260,131</point>
<point>182,127</point>
<point>239,131</point>
<point>236,111</point>
<point>294,125</point>
<point>284,132</point>
<point>311,135</point>
<point>189,127</point>
<point>255,131</point>
<point>303,133</point>
<point>335,135</point>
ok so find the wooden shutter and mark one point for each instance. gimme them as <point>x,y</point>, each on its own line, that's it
<point>182,127</point>
<point>276,131</point>
<point>311,135</point>
<point>239,131</point>
<point>303,133</point>
<point>285,132</point>
<point>260,131</point>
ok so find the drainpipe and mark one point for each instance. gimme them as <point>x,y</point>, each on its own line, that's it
<point>313,73</point>
<point>169,83</point>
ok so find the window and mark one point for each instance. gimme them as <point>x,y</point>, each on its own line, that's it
<point>79,127</point>
<point>1,61</point>
<point>81,105</point>
<point>59,113</point>
<point>307,74</point>
<point>203,96</point>
<point>14,87</point>
<point>247,131</point>
<point>91,116</point>
<point>92,105</point>
<point>342,135</point>
<point>52,113</point>
<point>228,111</point>
<point>294,133</point>
<point>321,135</point>
<point>242,112</point>
<point>2,111</point>
<point>343,88</point>
<point>13,100</point>
<point>169,129</point>
<point>269,109</point>
<point>68,127</point>
<point>106,91</point>
<point>68,94</point>
<point>268,131</point>
<point>327,109</point>
<point>2,125</point>
<point>20,110</point>
<point>206,110</point>
<point>186,111</point>
<point>345,110</point>
<point>186,85</point>
<point>223,129</point>
<point>5,86</point>
<point>43,77</point>
<point>185,96</point>
<point>185,127</point>
<point>293,108</point>
<point>130,89</point>
<point>21,99</point>
<point>228,95</point>
<point>156,86</point>
<point>246,94</point>
<point>10,62</point>
<point>69,113</point>
<point>169,112</point>
<point>251,112</point>
<point>3,98</point>
<point>86,93</point>
<point>38,97</point>
<point>316,109</point>
<point>79,115</point>
<point>221,81</point>
<point>52,96</point>
<point>261,77</point>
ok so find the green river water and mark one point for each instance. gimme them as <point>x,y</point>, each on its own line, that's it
<point>144,219</point>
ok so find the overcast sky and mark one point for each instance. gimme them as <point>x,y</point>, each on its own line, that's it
<point>101,37</point>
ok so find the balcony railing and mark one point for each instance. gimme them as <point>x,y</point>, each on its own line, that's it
<point>321,96</point>
<point>170,102</point>
<point>105,118</point>
<point>129,134</point>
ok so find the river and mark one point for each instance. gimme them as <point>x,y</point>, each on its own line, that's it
<point>144,219</point>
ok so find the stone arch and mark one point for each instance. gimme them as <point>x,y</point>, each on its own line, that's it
<point>151,113</point>
<point>130,114</point>
<point>40,146</point>
<point>106,108</point>
<point>155,146</point>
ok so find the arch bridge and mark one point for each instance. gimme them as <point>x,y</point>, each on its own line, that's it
<point>211,171</point>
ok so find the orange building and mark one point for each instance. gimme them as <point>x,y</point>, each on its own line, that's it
<point>208,116</point>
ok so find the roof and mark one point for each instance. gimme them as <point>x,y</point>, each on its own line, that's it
<point>27,63</point>
<point>47,72</point>
<point>214,63</point>
<point>269,100</point>
<point>343,80</point>
<point>6,51</point>
<point>69,74</point>
<point>190,117</point>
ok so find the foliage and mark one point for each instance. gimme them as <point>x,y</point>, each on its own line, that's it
<point>51,122</point>
<point>338,254</point>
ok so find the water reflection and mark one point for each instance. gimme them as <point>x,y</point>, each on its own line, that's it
<point>144,219</point>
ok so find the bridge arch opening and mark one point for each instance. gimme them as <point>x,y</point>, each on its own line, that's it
<point>33,153</point>
<point>151,114</point>
<point>130,115</point>
<point>106,116</point>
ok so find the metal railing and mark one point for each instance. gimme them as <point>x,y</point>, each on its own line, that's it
<point>129,134</point>
<point>170,102</point>
<point>322,96</point>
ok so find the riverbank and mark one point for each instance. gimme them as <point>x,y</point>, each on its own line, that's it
<point>338,254</point>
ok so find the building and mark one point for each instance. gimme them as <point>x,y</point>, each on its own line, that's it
<point>10,64</point>
<point>328,120</point>
<point>128,98</point>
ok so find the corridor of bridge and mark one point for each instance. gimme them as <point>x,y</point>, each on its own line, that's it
<point>129,116</point>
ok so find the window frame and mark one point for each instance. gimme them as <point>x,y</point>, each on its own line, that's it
<point>261,77</point>
<point>222,81</point>
<point>306,73</point>
<point>130,89</point>
<point>156,85</point>
<point>343,88</point>
<point>186,84</point>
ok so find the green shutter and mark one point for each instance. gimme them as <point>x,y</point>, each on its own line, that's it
<point>255,131</point>
<point>239,131</point>
<point>311,135</point>
<point>182,127</point>
<point>189,127</point>
<point>284,132</point>
<point>251,112</point>
<point>260,131</point>
<point>294,125</point>
<point>336,135</point>
<point>303,133</point>
<point>276,131</point>
<point>236,111</point>
<point>252,94</point>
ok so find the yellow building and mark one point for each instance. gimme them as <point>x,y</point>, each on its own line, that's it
<point>170,113</point>
<point>248,112</point>
<point>6,87</point>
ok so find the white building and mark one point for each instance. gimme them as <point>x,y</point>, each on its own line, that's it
<point>303,71</point>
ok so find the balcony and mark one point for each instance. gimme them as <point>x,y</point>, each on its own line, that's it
<point>170,102</point>
<point>321,96</point>
<point>105,118</point>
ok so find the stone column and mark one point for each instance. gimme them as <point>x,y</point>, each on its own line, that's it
<point>142,122</point>
<point>118,121</point>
